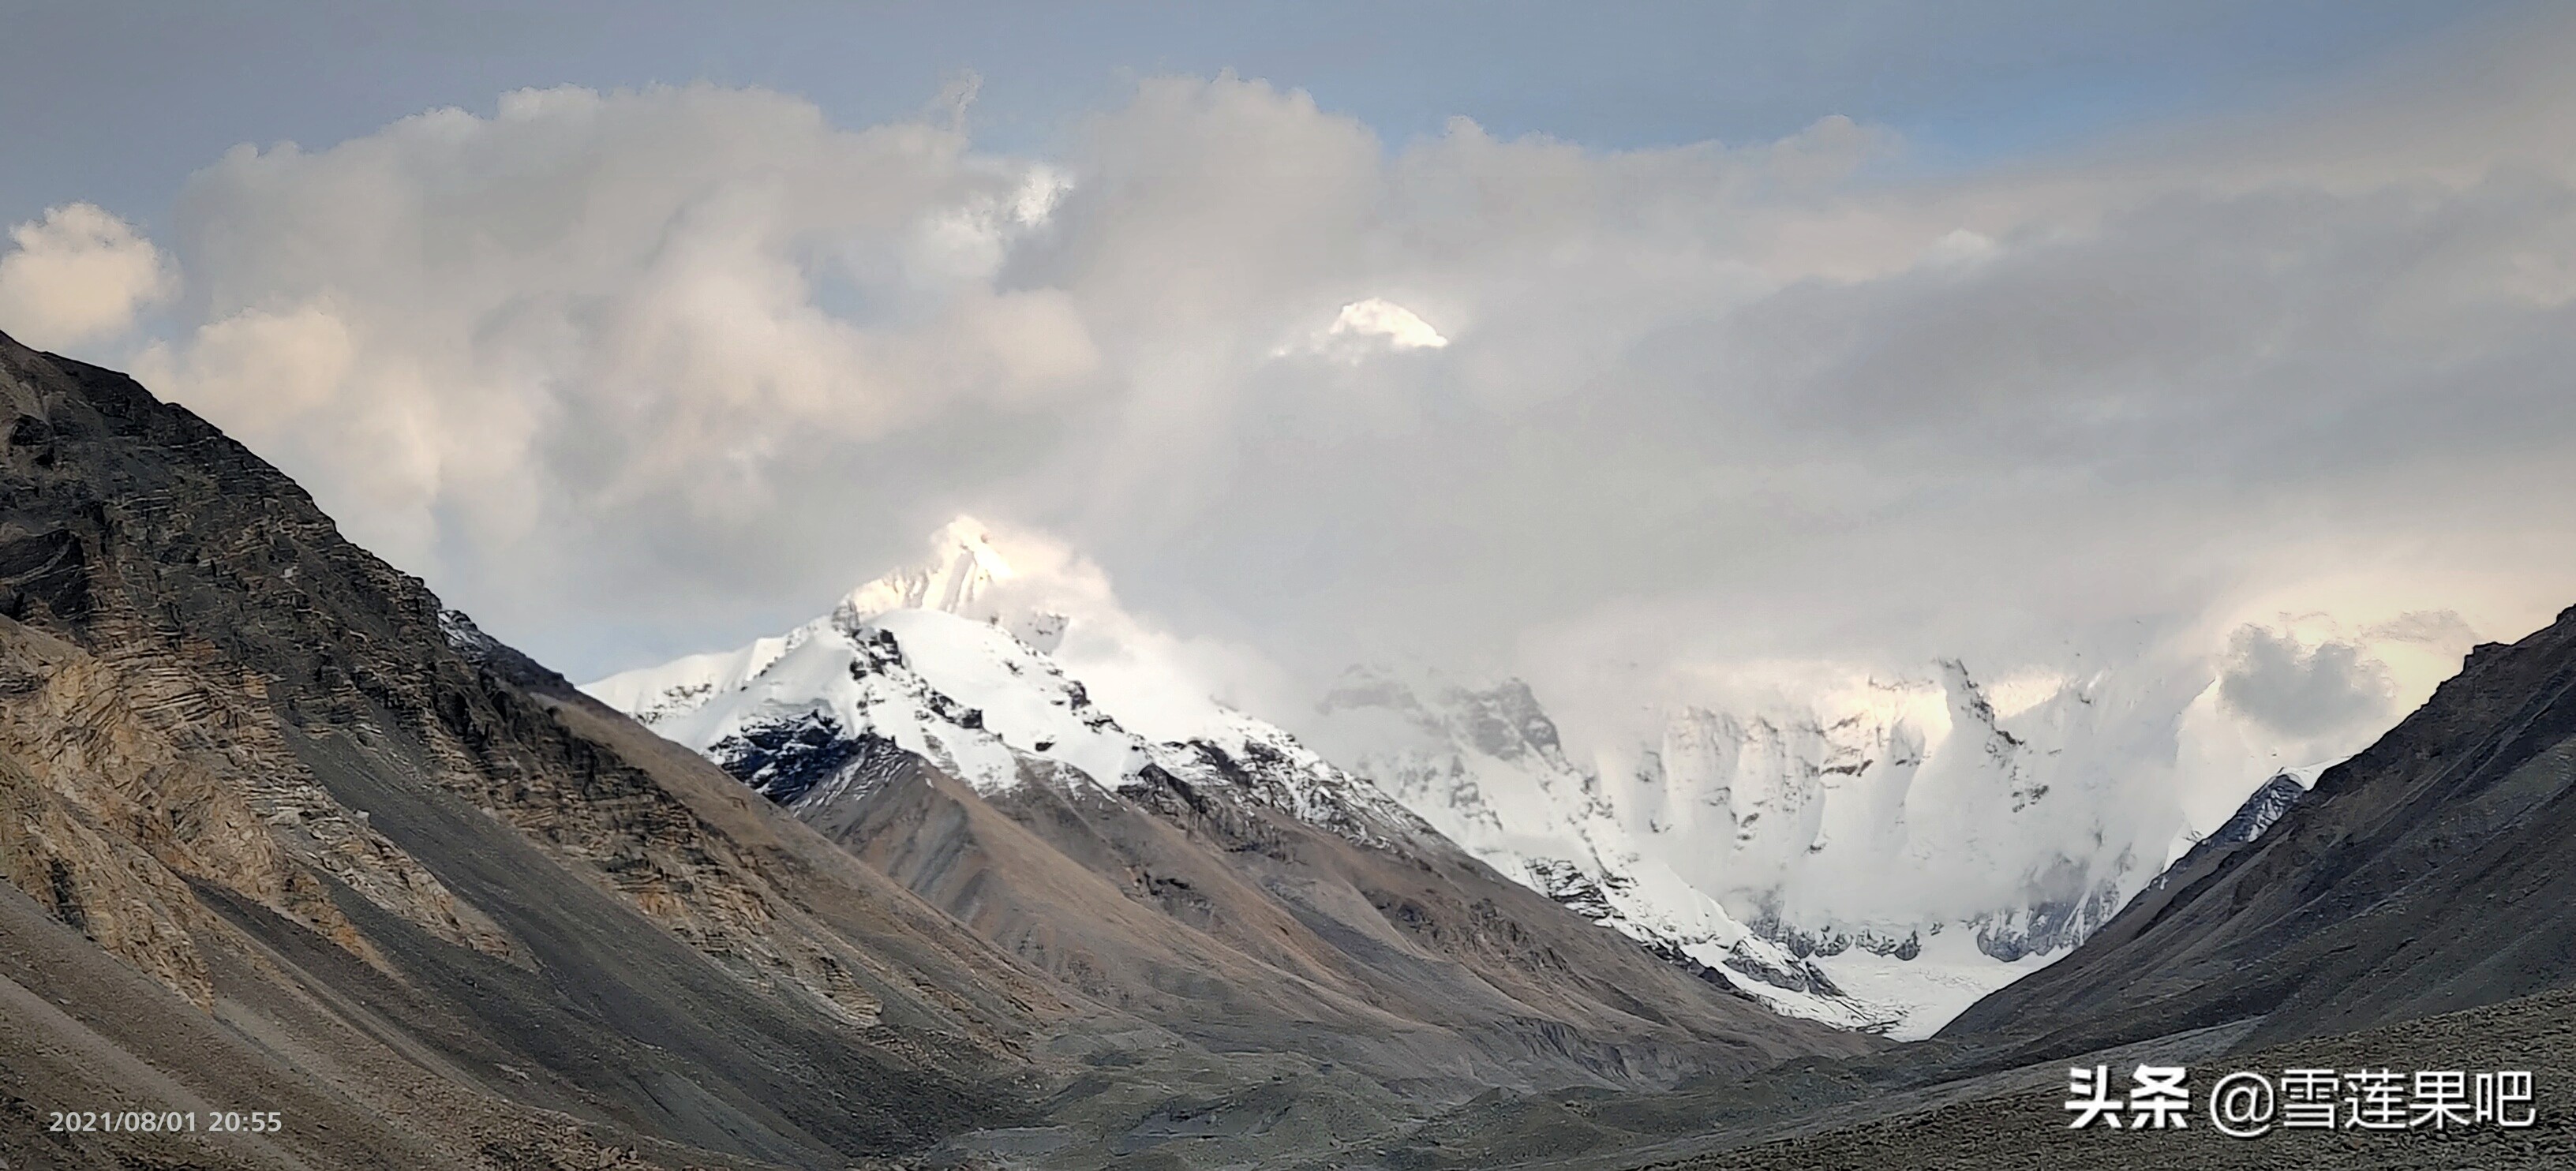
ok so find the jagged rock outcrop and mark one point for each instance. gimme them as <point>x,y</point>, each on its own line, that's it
<point>2260,811</point>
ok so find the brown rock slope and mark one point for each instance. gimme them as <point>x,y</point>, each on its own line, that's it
<point>1241,927</point>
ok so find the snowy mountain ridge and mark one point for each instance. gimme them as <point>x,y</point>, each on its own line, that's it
<point>928,660</point>
<point>1878,863</point>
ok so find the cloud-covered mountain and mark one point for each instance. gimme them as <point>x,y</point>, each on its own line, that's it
<point>2430,872</point>
<point>1876,860</point>
<point>1879,859</point>
<point>612,366</point>
<point>948,660</point>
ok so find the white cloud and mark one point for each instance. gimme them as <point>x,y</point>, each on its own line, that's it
<point>78,276</point>
<point>640,373</point>
<point>2437,628</point>
<point>1385,319</point>
<point>625,319</point>
<point>1371,326</point>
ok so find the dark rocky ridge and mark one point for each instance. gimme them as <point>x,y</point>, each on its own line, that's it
<point>2254,817</point>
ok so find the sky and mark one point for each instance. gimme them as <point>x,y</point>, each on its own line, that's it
<point>1654,353</point>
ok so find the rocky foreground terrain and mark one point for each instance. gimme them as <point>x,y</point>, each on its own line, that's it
<point>276,841</point>
<point>2019,1120</point>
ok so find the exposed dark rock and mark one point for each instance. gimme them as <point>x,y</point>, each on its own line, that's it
<point>2260,811</point>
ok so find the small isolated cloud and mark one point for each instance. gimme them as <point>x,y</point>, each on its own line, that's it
<point>1397,324</point>
<point>1372,326</point>
<point>78,275</point>
<point>2274,680</point>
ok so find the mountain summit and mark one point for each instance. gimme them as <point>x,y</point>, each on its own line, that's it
<point>948,659</point>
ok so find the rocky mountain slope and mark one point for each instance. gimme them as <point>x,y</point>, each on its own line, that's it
<point>2434,871</point>
<point>282,833</point>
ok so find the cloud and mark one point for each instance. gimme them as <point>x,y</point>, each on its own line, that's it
<point>597,336</point>
<point>2438,628</point>
<point>1362,328</point>
<point>2303,691</point>
<point>78,276</point>
<point>637,373</point>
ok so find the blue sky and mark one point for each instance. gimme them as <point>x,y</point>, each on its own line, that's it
<point>116,102</point>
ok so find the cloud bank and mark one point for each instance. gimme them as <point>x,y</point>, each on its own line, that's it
<point>636,373</point>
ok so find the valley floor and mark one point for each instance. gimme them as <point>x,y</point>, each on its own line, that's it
<point>1865,1114</point>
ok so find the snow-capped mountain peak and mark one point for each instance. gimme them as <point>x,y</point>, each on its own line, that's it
<point>949,659</point>
<point>963,574</point>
